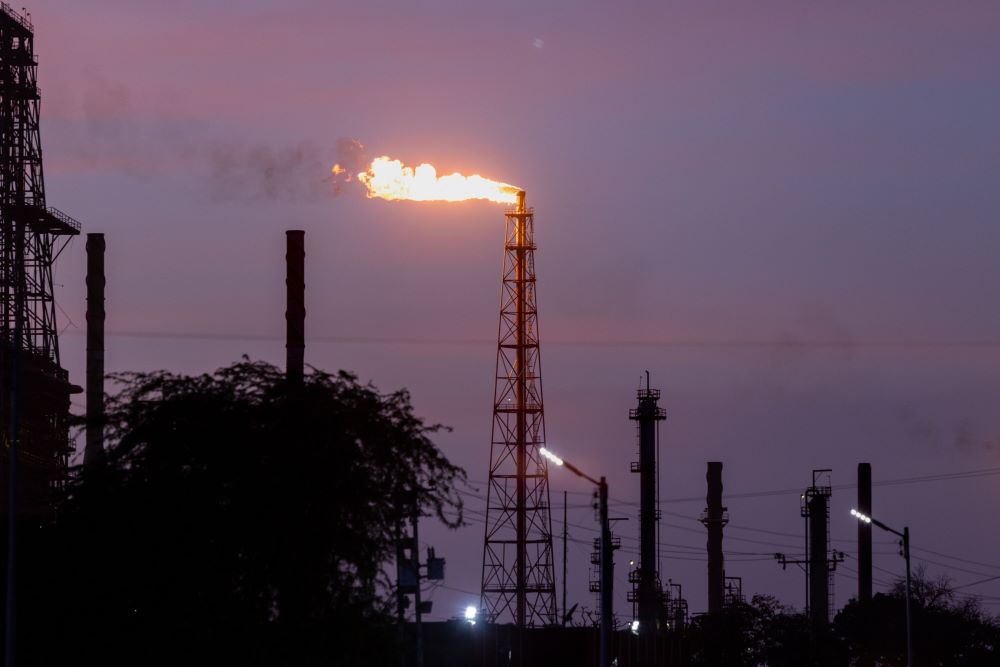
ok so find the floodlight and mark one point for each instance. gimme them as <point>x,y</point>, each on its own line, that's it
<point>550,456</point>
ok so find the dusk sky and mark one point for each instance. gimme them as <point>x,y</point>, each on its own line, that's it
<point>786,212</point>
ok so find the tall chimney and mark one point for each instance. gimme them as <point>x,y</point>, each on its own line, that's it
<point>714,518</point>
<point>818,504</point>
<point>864,533</point>
<point>93,450</point>
<point>295,313</point>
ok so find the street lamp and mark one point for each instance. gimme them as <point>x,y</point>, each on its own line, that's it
<point>864,518</point>
<point>607,564</point>
<point>470,615</point>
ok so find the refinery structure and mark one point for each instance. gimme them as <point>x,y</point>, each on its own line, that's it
<point>518,569</point>
<point>517,605</point>
<point>35,391</point>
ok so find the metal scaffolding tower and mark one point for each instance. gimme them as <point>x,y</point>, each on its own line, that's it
<point>518,573</point>
<point>35,391</point>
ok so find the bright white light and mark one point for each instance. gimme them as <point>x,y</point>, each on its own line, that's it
<point>551,457</point>
<point>635,627</point>
<point>470,614</point>
<point>861,517</point>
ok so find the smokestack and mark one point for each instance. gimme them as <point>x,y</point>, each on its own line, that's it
<point>295,313</point>
<point>819,571</point>
<point>94,448</point>
<point>864,533</point>
<point>714,518</point>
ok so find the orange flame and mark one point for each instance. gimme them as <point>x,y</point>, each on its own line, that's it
<point>391,179</point>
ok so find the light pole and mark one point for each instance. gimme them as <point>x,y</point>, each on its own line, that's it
<point>607,564</point>
<point>906,555</point>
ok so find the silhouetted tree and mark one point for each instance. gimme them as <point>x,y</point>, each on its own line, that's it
<point>763,632</point>
<point>237,520</point>
<point>948,629</point>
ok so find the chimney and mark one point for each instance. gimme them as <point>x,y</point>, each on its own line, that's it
<point>715,518</point>
<point>94,448</point>
<point>818,518</point>
<point>864,533</point>
<point>295,313</point>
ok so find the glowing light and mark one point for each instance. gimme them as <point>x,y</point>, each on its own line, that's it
<point>635,627</point>
<point>861,517</point>
<point>470,614</point>
<point>550,456</point>
<point>387,178</point>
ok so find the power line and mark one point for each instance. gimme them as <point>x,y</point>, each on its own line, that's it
<point>963,560</point>
<point>982,472</point>
<point>748,344</point>
<point>975,583</point>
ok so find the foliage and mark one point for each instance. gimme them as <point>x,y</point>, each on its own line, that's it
<point>763,632</point>
<point>948,628</point>
<point>237,520</point>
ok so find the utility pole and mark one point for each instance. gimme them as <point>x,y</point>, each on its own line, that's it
<point>606,556</point>
<point>565,612</point>
<point>864,533</point>
<point>607,576</point>
<point>415,553</point>
<point>400,593</point>
<point>905,535</point>
<point>909,596</point>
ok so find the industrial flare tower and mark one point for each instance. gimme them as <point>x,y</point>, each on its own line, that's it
<point>35,390</point>
<point>518,574</point>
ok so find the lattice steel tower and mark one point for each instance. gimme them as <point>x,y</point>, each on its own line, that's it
<point>518,572</point>
<point>34,393</point>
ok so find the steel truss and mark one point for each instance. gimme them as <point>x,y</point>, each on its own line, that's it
<point>518,581</point>
<point>31,237</point>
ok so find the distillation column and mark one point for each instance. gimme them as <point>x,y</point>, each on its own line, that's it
<point>648,591</point>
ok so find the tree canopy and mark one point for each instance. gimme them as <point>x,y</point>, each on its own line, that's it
<point>950,630</point>
<point>237,519</point>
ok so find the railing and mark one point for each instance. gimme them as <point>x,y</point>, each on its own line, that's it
<point>63,218</point>
<point>23,20</point>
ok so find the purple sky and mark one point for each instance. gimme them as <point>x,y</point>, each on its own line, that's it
<point>793,173</point>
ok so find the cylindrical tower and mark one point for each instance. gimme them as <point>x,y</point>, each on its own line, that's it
<point>714,519</point>
<point>295,313</point>
<point>647,596</point>
<point>819,572</point>
<point>94,448</point>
